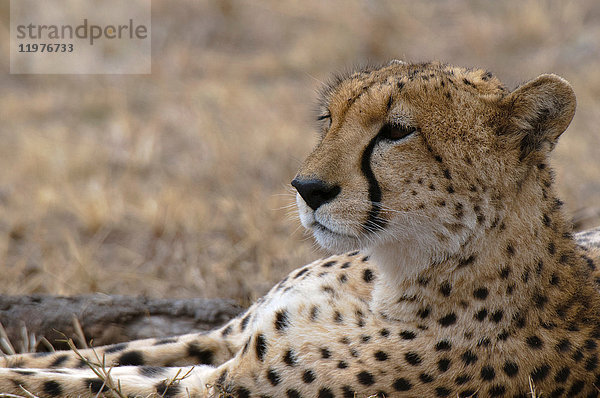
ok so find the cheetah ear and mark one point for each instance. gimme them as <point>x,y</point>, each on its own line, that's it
<point>538,112</point>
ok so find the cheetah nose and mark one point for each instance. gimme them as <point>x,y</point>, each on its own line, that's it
<point>315,192</point>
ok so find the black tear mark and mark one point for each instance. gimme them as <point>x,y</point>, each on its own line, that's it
<point>373,223</point>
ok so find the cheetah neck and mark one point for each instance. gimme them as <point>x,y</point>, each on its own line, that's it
<point>526,261</point>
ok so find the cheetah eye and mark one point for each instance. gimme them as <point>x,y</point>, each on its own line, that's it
<point>327,117</point>
<point>395,132</point>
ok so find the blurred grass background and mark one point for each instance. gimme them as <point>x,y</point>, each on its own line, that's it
<point>176,184</point>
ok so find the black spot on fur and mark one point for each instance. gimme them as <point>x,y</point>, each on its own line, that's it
<point>425,378</point>
<point>480,293</point>
<point>381,356</point>
<point>226,331</point>
<point>337,317</point>
<point>116,347</point>
<point>325,353</point>
<point>462,379</point>
<point>290,358</point>
<point>445,289</point>
<point>166,340</point>
<point>447,320</point>
<point>591,363</point>
<point>444,364</point>
<point>540,300</point>
<point>466,261</point>
<point>590,344</point>
<point>443,345</point>
<point>52,388</point>
<point>328,289</point>
<point>151,371</point>
<point>423,312</point>
<point>202,355</point>
<point>59,360</point>
<point>497,390</point>
<point>546,220</point>
<point>413,358</point>
<point>308,376</point>
<point>291,393</point>
<point>41,354</point>
<point>510,368</point>
<point>260,347</point>
<point>510,250</point>
<point>562,375</point>
<point>481,314</point>
<point>503,335</point>
<point>510,288</point>
<point>442,392</point>
<point>368,275</point>
<point>133,358</point>
<point>487,373</point>
<point>402,384</point>
<point>281,320</point>
<point>301,272</point>
<point>576,388</point>
<point>497,316</point>
<point>325,393</point>
<point>348,392</point>
<point>243,392</point>
<point>365,378</point>
<point>534,342</point>
<point>314,313</point>
<point>407,335</point>
<point>95,385</point>
<point>273,377</point>
<point>169,390</point>
<point>244,322</point>
<point>468,357</point>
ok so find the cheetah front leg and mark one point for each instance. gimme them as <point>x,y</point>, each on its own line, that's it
<point>212,348</point>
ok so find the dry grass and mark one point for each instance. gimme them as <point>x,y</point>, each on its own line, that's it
<point>176,184</point>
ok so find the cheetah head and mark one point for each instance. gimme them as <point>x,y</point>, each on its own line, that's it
<point>425,157</point>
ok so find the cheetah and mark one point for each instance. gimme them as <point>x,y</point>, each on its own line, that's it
<point>462,276</point>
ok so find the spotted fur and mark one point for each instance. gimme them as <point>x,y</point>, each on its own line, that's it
<point>464,278</point>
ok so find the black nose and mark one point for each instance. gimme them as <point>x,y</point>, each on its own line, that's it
<point>315,192</point>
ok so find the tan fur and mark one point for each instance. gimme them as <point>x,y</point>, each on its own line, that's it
<point>468,280</point>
